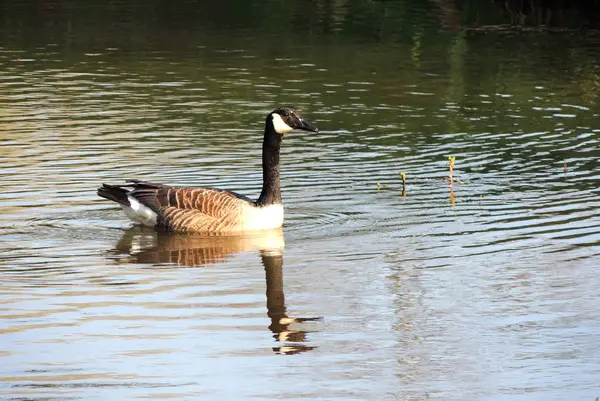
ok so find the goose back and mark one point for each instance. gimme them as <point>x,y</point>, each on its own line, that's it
<point>200,210</point>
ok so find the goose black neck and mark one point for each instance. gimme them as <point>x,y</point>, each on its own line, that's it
<point>271,191</point>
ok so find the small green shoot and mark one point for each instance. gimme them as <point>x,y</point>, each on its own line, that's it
<point>403,176</point>
<point>451,160</point>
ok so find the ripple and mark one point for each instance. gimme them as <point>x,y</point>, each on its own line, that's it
<point>421,287</point>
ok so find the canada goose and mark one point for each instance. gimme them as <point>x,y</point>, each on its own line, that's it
<point>211,210</point>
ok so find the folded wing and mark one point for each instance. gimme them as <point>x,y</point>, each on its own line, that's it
<point>191,209</point>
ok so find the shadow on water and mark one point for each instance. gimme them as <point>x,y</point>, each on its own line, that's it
<point>145,245</point>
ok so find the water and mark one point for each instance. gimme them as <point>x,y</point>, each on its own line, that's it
<point>488,292</point>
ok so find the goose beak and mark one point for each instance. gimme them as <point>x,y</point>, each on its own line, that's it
<point>306,126</point>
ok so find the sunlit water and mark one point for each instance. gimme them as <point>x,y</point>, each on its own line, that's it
<point>486,290</point>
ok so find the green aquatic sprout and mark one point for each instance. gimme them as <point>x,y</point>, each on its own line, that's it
<point>403,176</point>
<point>381,186</point>
<point>451,160</point>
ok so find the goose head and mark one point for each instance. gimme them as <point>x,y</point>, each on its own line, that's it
<point>287,119</point>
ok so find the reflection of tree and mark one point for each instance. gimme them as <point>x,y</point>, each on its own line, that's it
<point>449,14</point>
<point>589,81</point>
<point>550,12</point>
<point>456,88</point>
<point>134,23</point>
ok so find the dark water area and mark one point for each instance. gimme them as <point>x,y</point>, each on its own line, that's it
<point>486,289</point>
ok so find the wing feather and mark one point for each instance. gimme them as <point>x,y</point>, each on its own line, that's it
<point>191,209</point>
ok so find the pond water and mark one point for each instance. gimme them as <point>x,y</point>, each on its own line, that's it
<point>486,290</point>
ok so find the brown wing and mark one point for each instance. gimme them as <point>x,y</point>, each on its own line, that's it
<point>191,209</point>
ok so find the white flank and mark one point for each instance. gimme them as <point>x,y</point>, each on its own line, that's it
<point>139,213</point>
<point>280,126</point>
<point>262,218</point>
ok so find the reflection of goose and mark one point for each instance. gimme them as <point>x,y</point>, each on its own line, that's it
<point>209,210</point>
<point>146,245</point>
<point>276,310</point>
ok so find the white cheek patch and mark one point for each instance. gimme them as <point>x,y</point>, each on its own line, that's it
<point>280,126</point>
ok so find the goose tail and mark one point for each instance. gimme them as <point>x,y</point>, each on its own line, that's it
<point>114,193</point>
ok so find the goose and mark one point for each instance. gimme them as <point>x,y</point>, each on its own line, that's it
<point>212,210</point>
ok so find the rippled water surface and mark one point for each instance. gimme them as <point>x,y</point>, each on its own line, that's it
<point>488,289</point>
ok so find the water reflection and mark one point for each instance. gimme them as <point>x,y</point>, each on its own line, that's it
<point>146,245</point>
<point>421,297</point>
<point>280,322</point>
